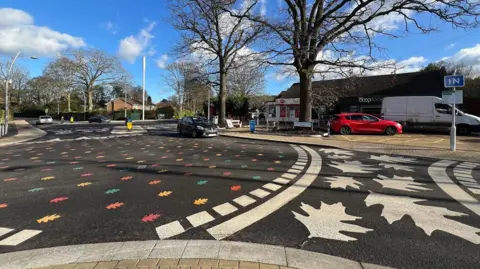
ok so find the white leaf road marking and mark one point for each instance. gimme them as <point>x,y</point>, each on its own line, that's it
<point>338,152</point>
<point>255,214</point>
<point>353,167</point>
<point>326,222</point>
<point>392,159</point>
<point>343,182</point>
<point>400,183</point>
<point>428,218</point>
<point>397,166</point>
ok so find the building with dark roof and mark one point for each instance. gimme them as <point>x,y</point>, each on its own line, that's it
<point>358,94</point>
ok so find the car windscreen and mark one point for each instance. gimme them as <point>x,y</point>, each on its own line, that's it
<point>45,117</point>
<point>201,120</point>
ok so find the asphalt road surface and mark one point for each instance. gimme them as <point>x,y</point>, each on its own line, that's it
<point>82,184</point>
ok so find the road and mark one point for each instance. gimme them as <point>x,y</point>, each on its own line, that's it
<point>83,184</point>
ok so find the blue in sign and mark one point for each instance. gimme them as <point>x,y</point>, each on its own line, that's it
<point>453,81</point>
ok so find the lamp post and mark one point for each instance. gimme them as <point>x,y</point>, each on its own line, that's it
<point>7,112</point>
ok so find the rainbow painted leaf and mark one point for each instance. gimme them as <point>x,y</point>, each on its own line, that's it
<point>200,201</point>
<point>257,177</point>
<point>73,162</point>
<point>278,162</point>
<point>35,189</point>
<point>227,173</point>
<point>114,205</point>
<point>163,171</point>
<point>235,188</point>
<point>48,218</point>
<point>110,191</point>
<point>188,165</point>
<point>271,169</point>
<point>10,179</point>
<point>3,205</point>
<point>86,174</point>
<point>150,217</point>
<point>164,193</point>
<point>126,178</point>
<point>154,182</point>
<point>46,170</point>
<point>48,178</point>
<point>78,168</point>
<point>58,199</point>
<point>212,166</point>
<point>202,182</point>
<point>111,165</point>
<point>84,184</point>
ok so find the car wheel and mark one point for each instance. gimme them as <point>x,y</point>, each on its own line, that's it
<point>390,131</point>
<point>345,130</point>
<point>194,134</point>
<point>463,129</point>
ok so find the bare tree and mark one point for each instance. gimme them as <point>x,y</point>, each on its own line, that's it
<point>313,36</point>
<point>208,31</point>
<point>95,67</point>
<point>247,80</point>
<point>63,72</point>
<point>19,78</point>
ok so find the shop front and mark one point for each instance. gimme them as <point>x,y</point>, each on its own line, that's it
<point>364,104</point>
<point>283,110</point>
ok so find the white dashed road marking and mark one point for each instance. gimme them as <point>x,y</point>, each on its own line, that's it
<point>19,237</point>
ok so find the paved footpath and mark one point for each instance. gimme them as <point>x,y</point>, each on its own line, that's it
<point>358,207</point>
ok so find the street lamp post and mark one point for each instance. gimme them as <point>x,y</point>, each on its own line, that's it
<point>7,112</point>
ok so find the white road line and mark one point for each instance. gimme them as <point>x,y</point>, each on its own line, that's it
<point>19,237</point>
<point>280,180</point>
<point>271,186</point>
<point>246,219</point>
<point>244,200</point>
<point>4,231</point>
<point>225,209</point>
<point>301,163</point>
<point>294,171</point>
<point>200,218</point>
<point>438,172</point>
<point>476,191</point>
<point>170,229</point>
<point>289,176</point>
<point>259,193</point>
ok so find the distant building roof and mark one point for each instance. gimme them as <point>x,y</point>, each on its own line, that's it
<point>129,101</point>
<point>417,83</point>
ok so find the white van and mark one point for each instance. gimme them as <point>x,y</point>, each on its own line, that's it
<point>425,112</point>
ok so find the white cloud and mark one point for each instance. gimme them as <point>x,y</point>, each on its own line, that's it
<point>450,46</point>
<point>162,61</point>
<point>468,57</point>
<point>18,33</point>
<point>112,27</point>
<point>263,7</point>
<point>132,46</point>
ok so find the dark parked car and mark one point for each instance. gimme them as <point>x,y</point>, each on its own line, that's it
<point>99,119</point>
<point>197,127</point>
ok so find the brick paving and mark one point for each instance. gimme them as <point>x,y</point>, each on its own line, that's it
<point>389,149</point>
<point>168,264</point>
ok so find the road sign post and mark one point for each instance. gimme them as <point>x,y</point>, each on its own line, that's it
<point>453,82</point>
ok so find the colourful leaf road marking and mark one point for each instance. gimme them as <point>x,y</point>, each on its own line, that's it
<point>163,171</point>
<point>86,174</point>
<point>48,178</point>
<point>212,166</point>
<point>48,218</point>
<point>188,174</point>
<point>206,159</point>
<point>227,174</point>
<point>84,184</point>
<point>129,158</point>
<point>3,205</point>
<point>244,166</point>
<point>111,165</point>
<point>78,168</point>
<point>188,165</point>
<point>35,189</point>
<point>150,217</point>
<point>218,154</point>
<point>73,162</point>
<point>46,170</point>
<point>115,205</point>
<point>202,182</point>
<point>271,169</point>
<point>179,160</point>
<point>227,161</point>
<point>10,179</point>
<point>111,191</point>
<point>235,188</point>
<point>254,160</point>
<point>126,178</point>
<point>58,199</point>
<point>165,193</point>
<point>18,169</point>
<point>154,182</point>
<point>155,165</point>
<point>277,162</point>
<point>200,201</point>
<point>257,177</point>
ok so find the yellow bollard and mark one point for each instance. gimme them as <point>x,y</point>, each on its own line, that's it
<point>129,125</point>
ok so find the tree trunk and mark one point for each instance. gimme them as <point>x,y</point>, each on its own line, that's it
<point>90,99</point>
<point>223,98</point>
<point>68,103</point>
<point>305,95</point>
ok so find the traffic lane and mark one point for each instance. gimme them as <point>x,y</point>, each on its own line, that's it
<point>107,167</point>
<point>370,216</point>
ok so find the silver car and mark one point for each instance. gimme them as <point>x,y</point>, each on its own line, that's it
<point>44,120</point>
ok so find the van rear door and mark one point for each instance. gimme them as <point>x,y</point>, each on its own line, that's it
<point>443,114</point>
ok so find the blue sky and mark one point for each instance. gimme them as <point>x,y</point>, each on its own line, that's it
<point>104,24</point>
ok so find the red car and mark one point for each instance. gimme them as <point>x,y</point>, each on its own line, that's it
<point>348,123</point>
